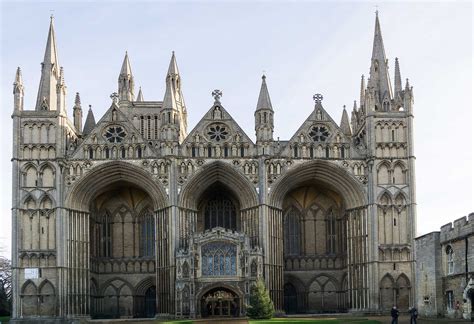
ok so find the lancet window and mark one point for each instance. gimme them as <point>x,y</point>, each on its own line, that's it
<point>219,259</point>
<point>292,232</point>
<point>147,235</point>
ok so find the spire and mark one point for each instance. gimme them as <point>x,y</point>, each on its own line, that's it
<point>77,112</point>
<point>50,74</point>
<point>125,81</point>
<point>362,90</point>
<point>264,97</point>
<point>140,95</point>
<point>18,90</point>
<point>407,85</point>
<point>90,122</point>
<point>398,78</point>
<point>345,126</point>
<point>379,78</point>
<point>173,68</point>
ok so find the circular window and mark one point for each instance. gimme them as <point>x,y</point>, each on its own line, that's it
<point>319,133</point>
<point>217,133</point>
<point>115,134</point>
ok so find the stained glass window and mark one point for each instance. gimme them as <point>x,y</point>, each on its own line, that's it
<point>219,259</point>
<point>115,134</point>
<point>292,232</point>
<point>319,133</point>
<point>220,212</point>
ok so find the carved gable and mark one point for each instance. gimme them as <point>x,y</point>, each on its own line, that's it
<point>319,136</point>
<point>217,135</point>
<point>114,137</point>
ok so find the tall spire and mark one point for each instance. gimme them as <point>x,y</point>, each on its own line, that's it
<point>379,77</point>
<point>345,126</point>
<point>264,97</point>
<point>90,122</point>
<point>50,74</point>
<point>77,112</point>
<point>125,81</point>
<point>398,78</point>
<point>140,95</point>
<point>18,90</point>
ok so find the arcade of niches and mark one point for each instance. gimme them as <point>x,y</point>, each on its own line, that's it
<point>133,216</point>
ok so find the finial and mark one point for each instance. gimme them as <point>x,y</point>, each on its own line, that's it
<point>90,107</point>
<point>376,10</point>
<point>217,94</point>
<point>344,107</point>
<point>318,98</point>
<point>78,99</point>
<point>114,96</point>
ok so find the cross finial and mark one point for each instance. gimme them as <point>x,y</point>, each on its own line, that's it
<point>52,15</point>
<point>376,10</point>
<point>318,98</point>
<point>217,94</point>
<point>114,96</point>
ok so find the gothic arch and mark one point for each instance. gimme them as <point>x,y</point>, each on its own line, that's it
<point>44,200</point>
<point>329,174</point>
<point>387,286</point>
<point>218,172</point>
<point>385,198</point>
<point>29,201</point>
<point>109,283</point>
<point>143,286</point>
<point>99,179</point>
<point>207,288</point>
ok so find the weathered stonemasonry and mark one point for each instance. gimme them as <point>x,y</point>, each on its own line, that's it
<point>134,216</point>
<point>444,270</point>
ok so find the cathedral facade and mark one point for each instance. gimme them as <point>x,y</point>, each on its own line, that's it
<point>136,216</point>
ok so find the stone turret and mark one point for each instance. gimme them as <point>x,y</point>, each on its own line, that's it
<point>18,91</point>
<point>264,119</point>
<point>125,81</point>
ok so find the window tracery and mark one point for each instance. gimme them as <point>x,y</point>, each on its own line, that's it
<point>292,232</point>
<point>217,133</point>
<point>219,259</point>
<point>220,212</point>
<point>115,134</point>
<point>319,133</point>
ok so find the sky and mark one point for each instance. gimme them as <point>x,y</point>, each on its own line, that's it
<point>303,47</point>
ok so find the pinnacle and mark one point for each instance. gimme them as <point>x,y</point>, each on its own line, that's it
<point>18,76</point>
<point>345,126</point>
<point>90,122</point>
<point>264,101</point>
<point>77,101</point>
<point>140,95</point>
<point>126,67</point>
<point>173,68</point>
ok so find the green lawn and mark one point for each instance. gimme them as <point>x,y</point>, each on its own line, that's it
<point>316,321</point>
<point>4,319</point>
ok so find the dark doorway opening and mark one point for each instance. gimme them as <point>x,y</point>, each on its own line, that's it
<point>220,302</point>
<point>290,299</point>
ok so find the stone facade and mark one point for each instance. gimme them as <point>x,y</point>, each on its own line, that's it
<point>444,270</point>
<point>134,216</point>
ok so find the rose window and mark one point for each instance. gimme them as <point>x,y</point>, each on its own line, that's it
<point>217,133</point>
<point>115,134</point>
<point>319,133</point>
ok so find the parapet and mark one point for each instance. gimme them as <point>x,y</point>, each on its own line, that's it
<point>458,229</point>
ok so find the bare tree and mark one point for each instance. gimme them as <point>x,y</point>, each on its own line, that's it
<point>5,286</point>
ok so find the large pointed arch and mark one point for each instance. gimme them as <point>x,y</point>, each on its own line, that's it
<point>324,172</point>
<point>218,172</point>
<point>99,179</point>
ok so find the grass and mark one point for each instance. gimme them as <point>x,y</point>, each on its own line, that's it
<point>316,321</point>
<point>4,319</point>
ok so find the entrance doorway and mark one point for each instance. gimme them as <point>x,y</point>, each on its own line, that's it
<point>220,302</point>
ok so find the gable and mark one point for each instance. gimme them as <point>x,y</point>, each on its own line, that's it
<point>317,131</point>
<point>114,136</point>
<point>217,135</point>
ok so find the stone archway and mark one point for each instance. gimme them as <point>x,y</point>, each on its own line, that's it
<point>120,209</point>
<point>220,302</point>
<point>326,200</point>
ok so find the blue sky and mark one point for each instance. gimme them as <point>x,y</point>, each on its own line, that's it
<point>303,47</point>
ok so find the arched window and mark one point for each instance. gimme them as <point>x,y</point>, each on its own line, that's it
<point>331,233</point>
<point>450,259</point>
<point>193,151</point>
<point>107,153</point>
<point>147,235</point>
<point>295,151</point>
<point>219,259</point>
<point>220,211</point>
<point>292,232</point>
<point>106,241</point>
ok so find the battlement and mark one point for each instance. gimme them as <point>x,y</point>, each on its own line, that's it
<point>461,227</point>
